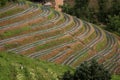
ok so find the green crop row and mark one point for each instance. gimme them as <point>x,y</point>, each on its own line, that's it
<point>91,37</point>
<point>53,43</point>
<point>51,15</point>
<point>101,44</point>
<point>11,12</point>
<point>13,32</point>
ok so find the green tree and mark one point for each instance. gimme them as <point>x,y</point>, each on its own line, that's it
<point>67,9</point>
<point>81,8</point>
<point>88,71</point>
<point>97,72</point>
<point>115,8</point>
<point>82,72</point>
<point>114,23</point>
<point>3,2</point>
<point>67,76</point>
<point>102,14</point>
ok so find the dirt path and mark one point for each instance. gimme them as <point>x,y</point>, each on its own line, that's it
<point>57,4</point>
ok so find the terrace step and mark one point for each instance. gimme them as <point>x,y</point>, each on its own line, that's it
<point>44,40</point>
<point>16,15</point>
<point>76,55</point>
<point>8,8</point>
<point>43,14</point>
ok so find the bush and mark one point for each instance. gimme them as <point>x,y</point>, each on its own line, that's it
<point>86,71</point>
<point>113,23</point>
<point>3,2</point>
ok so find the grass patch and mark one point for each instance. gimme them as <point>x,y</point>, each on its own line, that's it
<point>14,32</point>
<point>101,45</point>
<point>115,77</point>
<point>90,38</point>
<point>18,67</point>
<point>51,15</point>
<point>54,43</point>
<point>7,46</point>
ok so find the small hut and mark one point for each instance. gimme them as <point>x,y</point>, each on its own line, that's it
<point>49,4</point>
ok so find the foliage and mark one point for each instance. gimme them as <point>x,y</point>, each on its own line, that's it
<point>103,15</point>
<point>114,23</point>
<point>67,8</point>
<point>3,2</point>
<point>67,76</point>
<point>86,71</point>
<point>81,7</point>
<point>115,8</point>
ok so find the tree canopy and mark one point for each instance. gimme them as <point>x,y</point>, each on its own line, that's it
<point>88,71</point>
<point>107,13</point>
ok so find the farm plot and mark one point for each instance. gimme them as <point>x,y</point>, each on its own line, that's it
<point>43,33</point>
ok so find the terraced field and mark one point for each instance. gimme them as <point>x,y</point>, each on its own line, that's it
<point>43,33</point>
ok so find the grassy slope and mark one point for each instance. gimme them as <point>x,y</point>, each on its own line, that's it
<point>116,77</point>
<point>18,67</point>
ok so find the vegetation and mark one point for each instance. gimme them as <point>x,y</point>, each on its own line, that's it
<point>11,12</point>
<point>107,13</point>
<point>114,23</point>
<point>115,77</point>
<point>3,2</point>
<point>18,67</point>
<point>63,41</point>
<point>85,71</point>
<point>13,32</point>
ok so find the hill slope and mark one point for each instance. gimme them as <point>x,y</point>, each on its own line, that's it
<point>43,33</point>
<point>18,67</point>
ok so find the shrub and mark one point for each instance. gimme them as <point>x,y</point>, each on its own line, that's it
<point>88,71</point>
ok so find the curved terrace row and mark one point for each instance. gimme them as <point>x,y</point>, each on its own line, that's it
<point>43,33</point>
